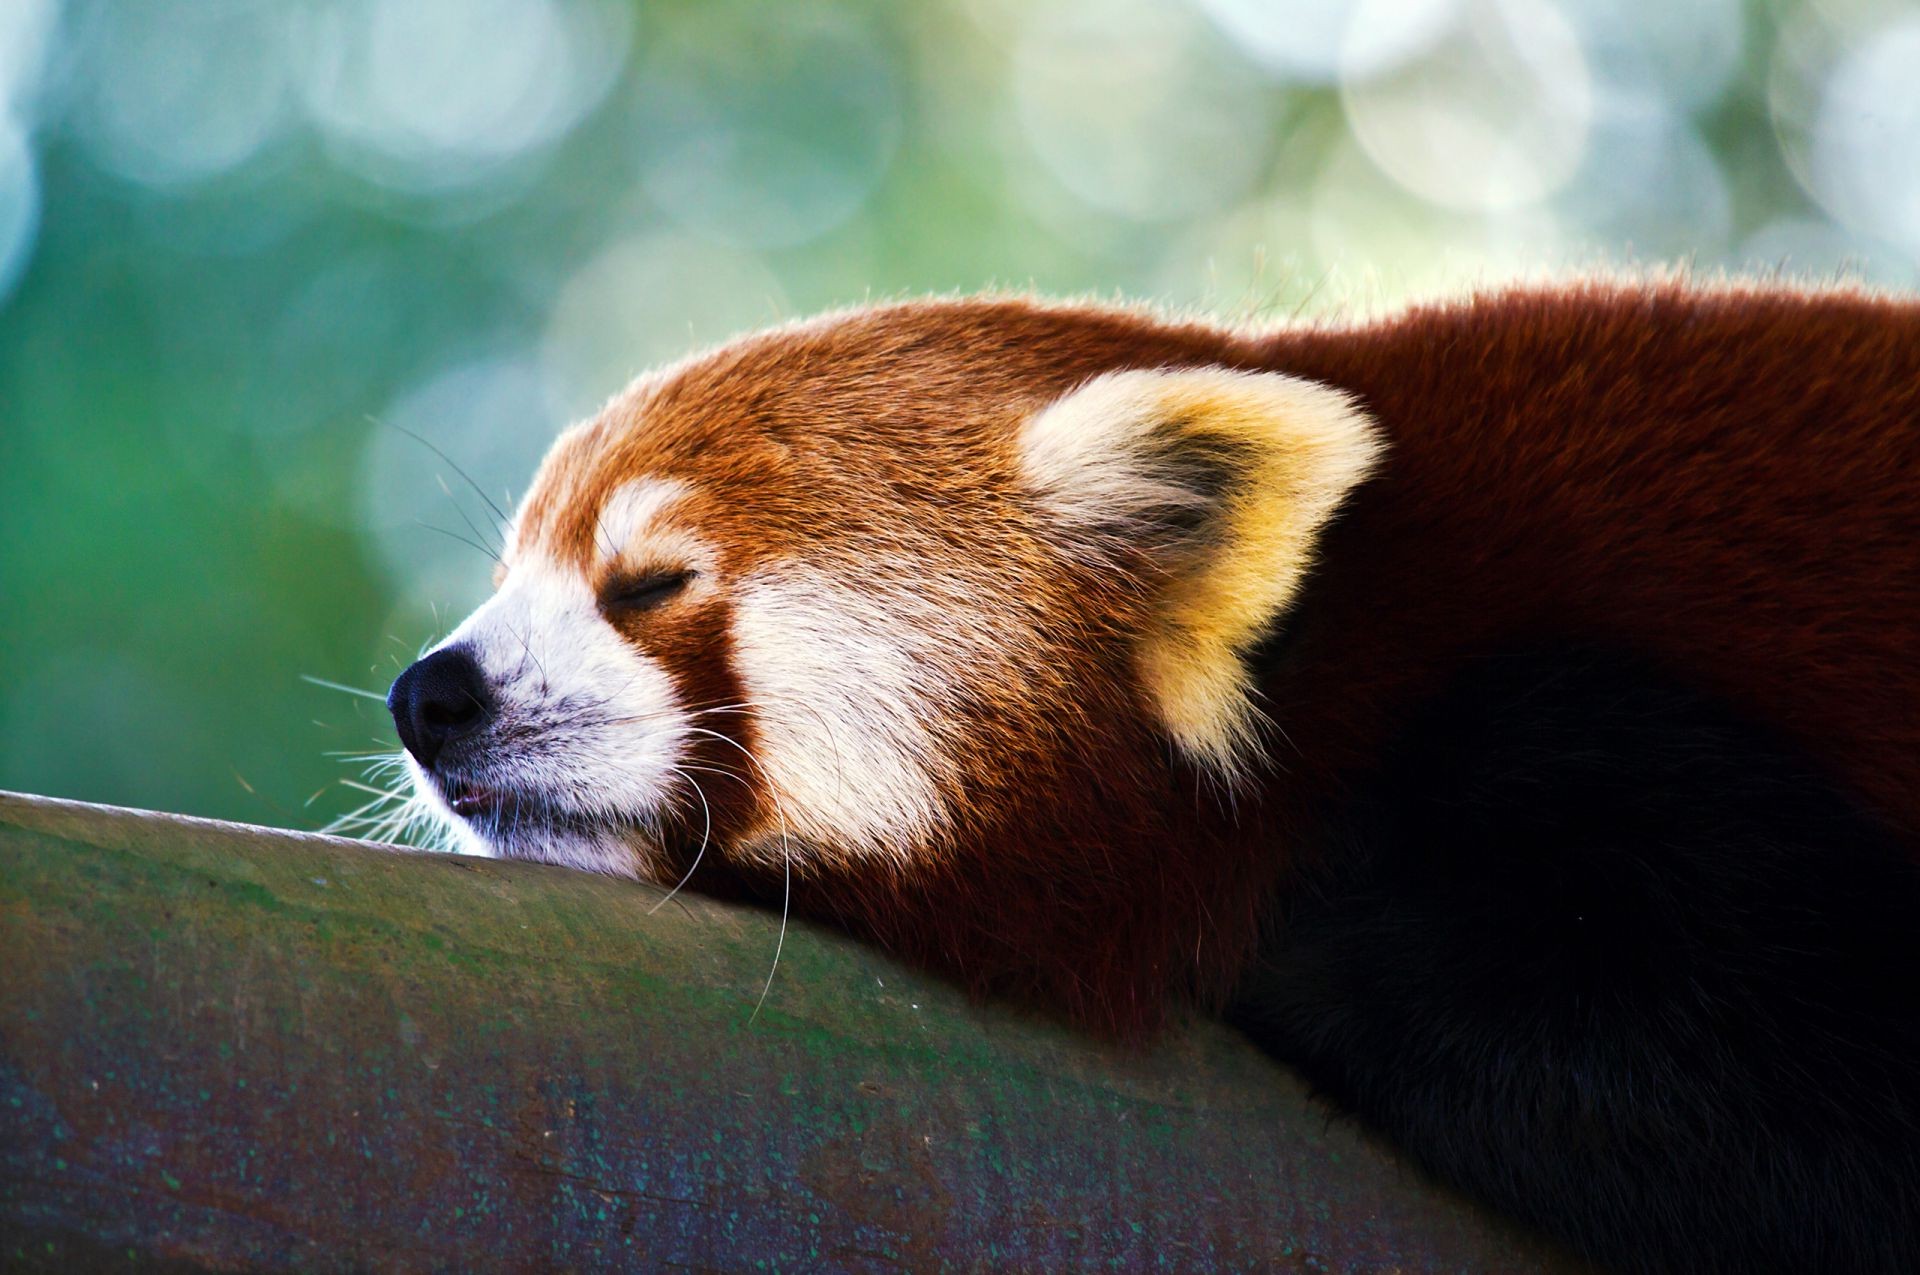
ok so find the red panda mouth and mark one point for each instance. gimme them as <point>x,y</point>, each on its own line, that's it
<point>515,824</point>
<point>474,802</point>
<point>496,813</point>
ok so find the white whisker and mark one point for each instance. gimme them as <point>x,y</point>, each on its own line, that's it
<point>786,905</point>
<point>389,794</point>
<point>343,688</point>
<point>705,833</point>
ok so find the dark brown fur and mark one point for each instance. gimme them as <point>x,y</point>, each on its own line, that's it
<point>1724,479</point>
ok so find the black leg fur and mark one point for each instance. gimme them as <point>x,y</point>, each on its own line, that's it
<point>1611,961</point>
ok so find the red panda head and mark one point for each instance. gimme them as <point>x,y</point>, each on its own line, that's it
<point>888,597</point>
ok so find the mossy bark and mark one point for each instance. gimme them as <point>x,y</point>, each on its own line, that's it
<point>234,1048</point>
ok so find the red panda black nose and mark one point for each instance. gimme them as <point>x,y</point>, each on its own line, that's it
<point>438,700</point>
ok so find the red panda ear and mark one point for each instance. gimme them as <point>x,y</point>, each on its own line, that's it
<point>1223,480</point>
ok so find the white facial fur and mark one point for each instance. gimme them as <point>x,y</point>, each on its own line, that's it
<point>839,682</point>
<point>634,511</point>
<point>587,728</point>
<point>844,709</point>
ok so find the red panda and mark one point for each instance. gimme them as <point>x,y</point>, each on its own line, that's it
<point>1507,711</point>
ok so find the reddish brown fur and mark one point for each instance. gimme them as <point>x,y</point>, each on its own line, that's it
<point>697,652</point>
<point>1727,479</point>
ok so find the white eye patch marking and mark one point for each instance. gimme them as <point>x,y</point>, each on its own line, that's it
<point>843,690</point>
<point>631,511</point>
<point>587,729</point>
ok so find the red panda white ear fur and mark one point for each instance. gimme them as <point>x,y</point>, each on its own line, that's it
<point>1224,480</point>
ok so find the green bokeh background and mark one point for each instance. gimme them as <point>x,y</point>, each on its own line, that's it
<point>247,248</point>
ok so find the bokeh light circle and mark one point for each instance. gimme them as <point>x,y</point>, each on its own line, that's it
<point>166,100</point>
<point>1495,118</point>
<point>489,415</point>
<point>1130,106</point>
<point>19,203</point>
<point>26,30</point>
<point>645,302</point>
<point>1332,39</point>
<point>1650,189</point>
<point>429,96</point>
<point>765,125</point>
<point>1645,53</point>
<point>1866,156</point>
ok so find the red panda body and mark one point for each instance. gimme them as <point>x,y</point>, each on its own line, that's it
<point>1728,482</point>
<point>1509,711</point>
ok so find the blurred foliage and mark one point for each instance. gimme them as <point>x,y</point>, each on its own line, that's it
<point>248,248</point>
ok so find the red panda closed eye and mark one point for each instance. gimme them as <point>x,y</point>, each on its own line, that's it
<point>1507,711</point>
